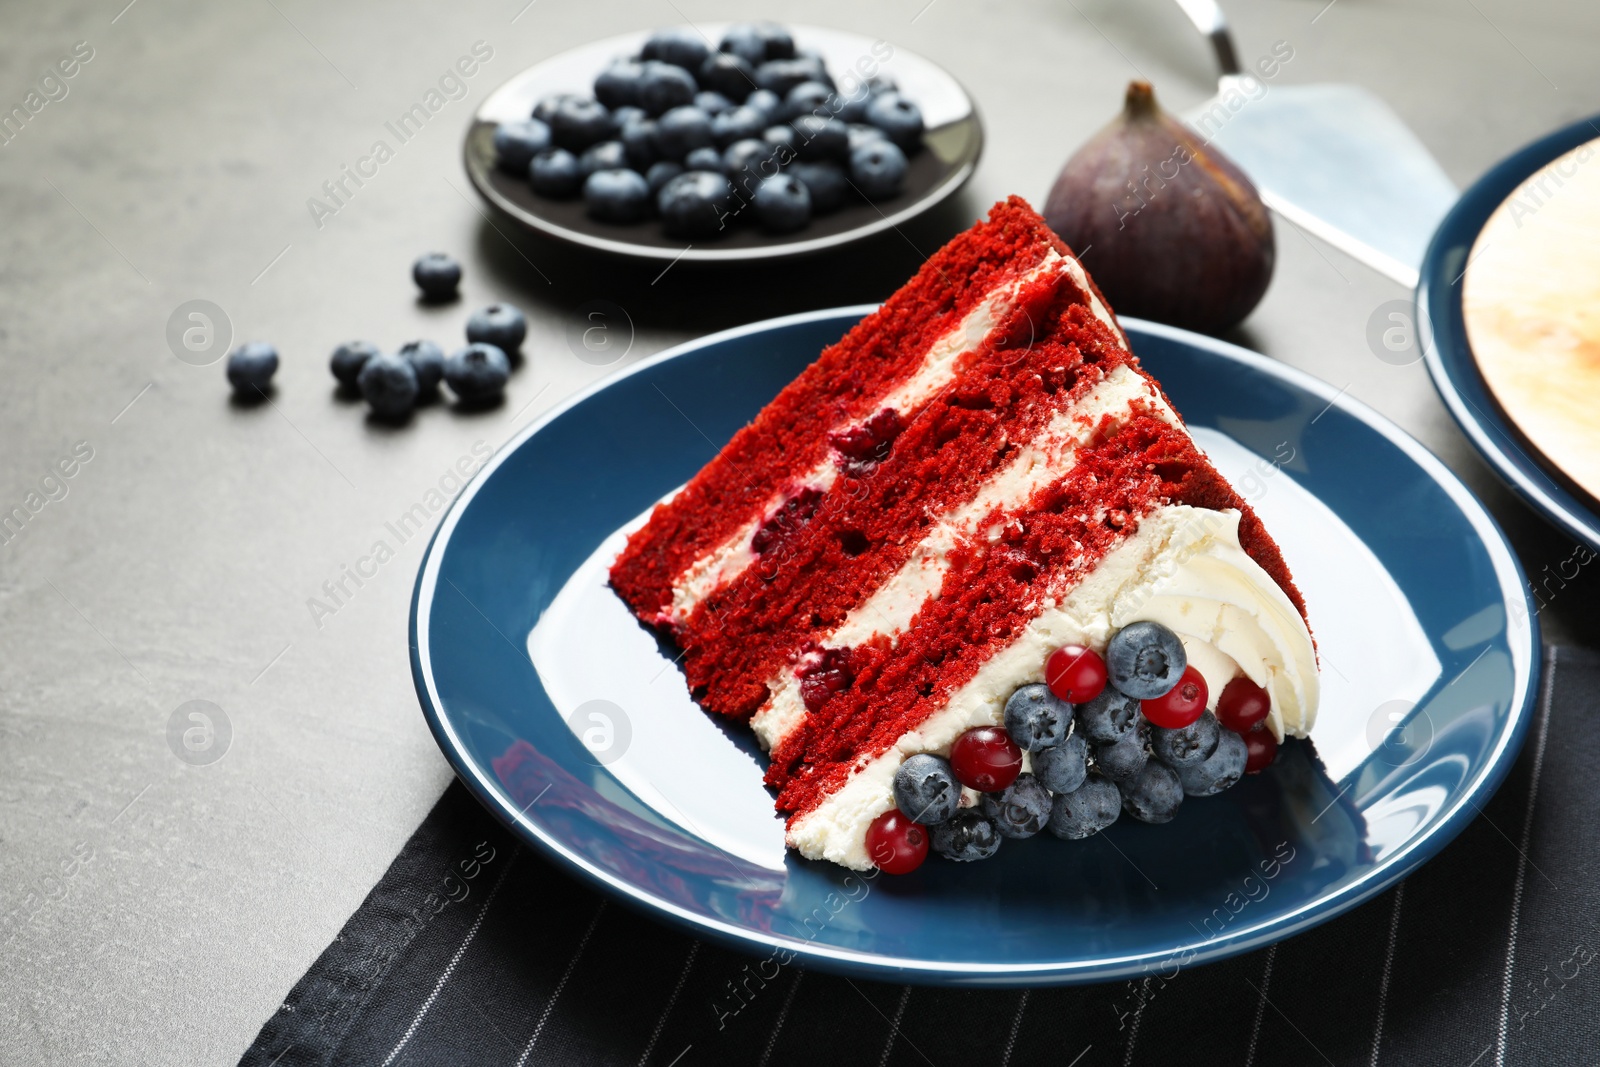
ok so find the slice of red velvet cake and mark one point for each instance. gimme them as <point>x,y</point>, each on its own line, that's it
<point>978,476</point>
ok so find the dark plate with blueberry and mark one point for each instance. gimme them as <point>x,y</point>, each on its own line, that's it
<point>724,142</point>
<point>571,724</point>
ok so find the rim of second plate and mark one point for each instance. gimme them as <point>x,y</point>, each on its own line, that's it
<point>927,202</point>
<point>1442,325</point>
<point>872,965</point>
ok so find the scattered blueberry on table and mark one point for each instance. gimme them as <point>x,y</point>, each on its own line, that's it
<point>251,367</point>
<point>437,275</point>
<point>427,360</point>
<point>389,385</point>
<point>349,358</point>
<point>477,372</point>
<point>678,102</point>
<point>500,325</point>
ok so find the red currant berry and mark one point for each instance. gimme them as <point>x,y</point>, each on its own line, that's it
<point>1260,749</point>
<point>1180,705</point>
<point>986,759</point>
<point>1075,674</point>
<point>1243,705</point>
<point>896,844</point>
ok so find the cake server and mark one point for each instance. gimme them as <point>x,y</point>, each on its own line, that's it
<point>1332,159</point>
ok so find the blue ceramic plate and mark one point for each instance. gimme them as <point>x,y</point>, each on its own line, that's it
<point>572,724</point>
<point>1455,372</point>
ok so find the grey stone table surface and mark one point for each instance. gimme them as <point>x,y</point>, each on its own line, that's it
<point>154,911</point>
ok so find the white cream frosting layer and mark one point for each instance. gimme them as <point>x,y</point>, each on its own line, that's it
<point>1043,460</point>
<point>937,370</point>
<point>1183,568</point>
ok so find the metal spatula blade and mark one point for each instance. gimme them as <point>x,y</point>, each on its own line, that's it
<point>1332,159</point>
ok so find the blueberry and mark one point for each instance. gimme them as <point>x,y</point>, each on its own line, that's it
<point>853,105</point>
<point>1036,718</point>
<point>758,42</point>
<point>580,122</point>
<point>427,360</point>
<point>678,45</point>
<point>437,275</point>
<point>882,83</point>
<point>783,204</point>
<point>825,181</point>
<point>618,85</point>
<point>1122,759</point>
<point>746,42</point>
<point>607,155</point>
<point>516,143</point>
<point>712,103</point>
<point>621,116</point>
<point>1085,811</point>
<point>926,790</point>
<point>809,98</point>
<point>703,159</point>
<point>861,134</point>
<point>682,130</point>
<point>898,118</point>
<point>665,87</point>
<point>740,124</point>
<point>778,43</point>
<point>747,164</point>
<point>477,372</point>
<point>1108,717</point>
<point>1188,745</point>
<point>767,102</point>
<point>556,173</point>
<point>692,204</point>
<point>639,141</point>
<point>500,325</point>
<point>389,384</point>
<point>783,139</point>
<point>1062,768</point>
<point>730,75</point>
<point>1145,660</point>
<point>1021,810</point>
<point>251,367</point>
<point>617,195</point>
<point>878,169</point>
<point>1154,794</point>
<point>781,75</point>
<point>349,358</point>
<point>1219,771</point>
<point>966,836</point>
<point>545,109</point>
<point>660,174</point>
<point>822,138</point>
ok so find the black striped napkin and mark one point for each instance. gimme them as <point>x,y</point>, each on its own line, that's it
<point>475,950</point>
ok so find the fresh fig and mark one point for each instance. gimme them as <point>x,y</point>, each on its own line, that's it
<point>1172,229</point>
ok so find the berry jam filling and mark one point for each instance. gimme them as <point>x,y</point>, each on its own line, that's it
<point>789,517</point>
<point>830,673</point>
<point>867,443</point>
